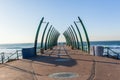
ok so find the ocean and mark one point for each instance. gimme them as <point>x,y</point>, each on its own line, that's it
<point>111,47</point>
<point>105,43</point>
<point>9,49</point>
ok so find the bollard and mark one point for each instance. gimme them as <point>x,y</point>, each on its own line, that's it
<point>42,51</point>
<point>51,48</point>
<point>72,47</point>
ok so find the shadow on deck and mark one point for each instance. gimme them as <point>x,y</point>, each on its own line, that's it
<point>58,61</point>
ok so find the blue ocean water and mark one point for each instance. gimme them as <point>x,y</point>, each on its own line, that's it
<point>19,46</point>
<point>16,46</point>
<point>11,48</point>
<point>114,47</point>
<point>106,43</point>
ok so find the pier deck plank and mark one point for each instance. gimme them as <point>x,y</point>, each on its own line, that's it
<point>40,67</point>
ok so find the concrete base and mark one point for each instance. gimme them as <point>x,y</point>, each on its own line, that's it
<point>28,53</point>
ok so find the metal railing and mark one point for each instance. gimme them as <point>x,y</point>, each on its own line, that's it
<point>6,58</point>
<point>111,53</point>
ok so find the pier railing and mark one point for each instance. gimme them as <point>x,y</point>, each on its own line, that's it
<point>4,57</point>
<point>111,52</point>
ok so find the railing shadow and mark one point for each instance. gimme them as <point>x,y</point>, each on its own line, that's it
<point>32,72</point>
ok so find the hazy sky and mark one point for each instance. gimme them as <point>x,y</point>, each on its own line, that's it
<point>19,19</point>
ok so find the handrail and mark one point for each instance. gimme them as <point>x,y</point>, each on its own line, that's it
<point>3,59</point>
<point>108,49</point>
<point>111,50</point>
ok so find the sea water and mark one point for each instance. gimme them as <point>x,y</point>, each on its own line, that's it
<point>114,48</point>
<point>114,45</point>
<point>12,49</point>
<point>9,49</point>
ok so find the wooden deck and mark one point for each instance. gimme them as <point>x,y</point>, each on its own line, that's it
<point>40,67</point>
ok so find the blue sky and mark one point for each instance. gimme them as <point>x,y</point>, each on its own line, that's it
<point>19,19</point>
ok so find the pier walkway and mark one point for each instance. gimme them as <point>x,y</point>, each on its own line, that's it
<point>61,60</point>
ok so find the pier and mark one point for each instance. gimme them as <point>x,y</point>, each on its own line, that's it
<point>62,59</point>
<point>52,60</point>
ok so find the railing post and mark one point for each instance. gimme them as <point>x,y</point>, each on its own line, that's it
<point>117,56</point>
<point>107,52</point>
<point>2,57</point>
<point>17,54</point>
